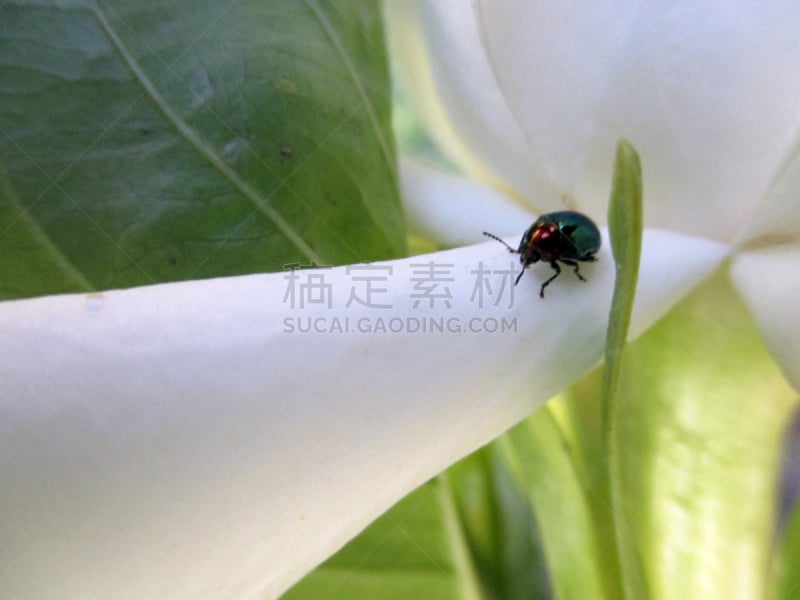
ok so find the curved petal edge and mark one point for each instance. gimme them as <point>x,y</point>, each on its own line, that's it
<point>767,281</point>
<point>220,438</point>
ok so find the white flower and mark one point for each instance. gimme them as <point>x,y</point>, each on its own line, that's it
<point>187,441</point>
<point>708,95</point>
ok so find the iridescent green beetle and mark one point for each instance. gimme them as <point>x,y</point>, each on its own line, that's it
<point>565,236</point>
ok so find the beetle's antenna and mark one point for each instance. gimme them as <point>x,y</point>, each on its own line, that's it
<point>494,237</point>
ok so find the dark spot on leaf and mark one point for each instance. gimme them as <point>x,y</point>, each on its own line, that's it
<point>286,86</point>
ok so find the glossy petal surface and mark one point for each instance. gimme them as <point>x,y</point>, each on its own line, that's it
<point>769,283</point>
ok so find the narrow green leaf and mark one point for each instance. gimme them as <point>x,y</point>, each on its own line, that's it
<point>625,230</point>
<point>545,465</point>
<point>145,141</point>
<point>786,564</point>
<point>500,532</point>
<point>578,414</point>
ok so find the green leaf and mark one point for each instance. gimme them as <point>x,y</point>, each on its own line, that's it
<point>469,534</point>
<point>500,532</point>
<point>405,554</point>
<point>562,498</point>
<point>145,141</point>
<point>786,564</point>
<point>702,416</point>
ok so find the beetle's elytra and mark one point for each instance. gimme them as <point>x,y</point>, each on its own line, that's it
<point>566,236</point>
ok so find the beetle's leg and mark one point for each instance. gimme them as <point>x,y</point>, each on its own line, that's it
<point>557,269</point>
<point>494,237</point>
<point>574,266</point>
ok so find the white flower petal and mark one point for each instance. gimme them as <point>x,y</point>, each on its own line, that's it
<point>455,210</point>
<point>439,51</point>
<point>707,92</point>
<point>176,442</point>
<point>777,220</point>
<point>768,281</point>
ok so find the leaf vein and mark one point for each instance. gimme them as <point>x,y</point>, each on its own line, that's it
<point>359,84</point>
<point>191,136</point>
<point>66,266</point>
